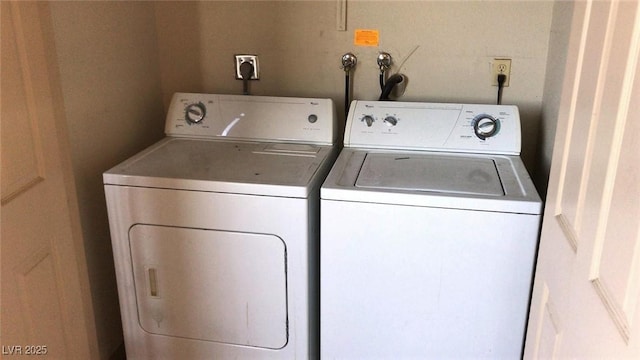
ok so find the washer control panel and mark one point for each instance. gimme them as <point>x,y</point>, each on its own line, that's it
<point>264,118</point>
<point>474,128</point>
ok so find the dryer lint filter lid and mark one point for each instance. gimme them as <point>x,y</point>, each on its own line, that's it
<point>431,173</point>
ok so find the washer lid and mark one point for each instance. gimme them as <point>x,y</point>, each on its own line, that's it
<point>433,173</point>
<point>257,168</point>
<point>481,182</point>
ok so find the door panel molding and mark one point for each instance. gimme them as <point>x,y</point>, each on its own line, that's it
<point>549,329</point>
<point>23,167</point>
<point>40,298</point>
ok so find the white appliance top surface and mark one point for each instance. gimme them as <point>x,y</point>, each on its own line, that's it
<point>260,168</point>
<point>484,182</point>
<point>259,145</point>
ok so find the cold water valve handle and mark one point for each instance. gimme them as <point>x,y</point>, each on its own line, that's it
<point>485,126</point>
<point>349,61</point>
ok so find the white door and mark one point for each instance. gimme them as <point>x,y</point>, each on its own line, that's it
<point>586,298</point>
<point>46,305</point>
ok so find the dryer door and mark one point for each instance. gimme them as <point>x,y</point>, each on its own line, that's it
<point>210,285</point>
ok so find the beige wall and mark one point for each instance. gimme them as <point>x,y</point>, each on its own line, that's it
<point>111,87</point>
<point>299,49</point>
<point>121,61</point>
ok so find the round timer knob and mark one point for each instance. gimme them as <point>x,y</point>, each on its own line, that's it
<point>390,121</point>
<point>485,126</point>
<point>194,113</point>
<point>368,119</point>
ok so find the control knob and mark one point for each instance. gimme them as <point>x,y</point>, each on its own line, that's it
<point>368,119</point>
<point>485,126</point>
<point>195,113</point>
<point>390,121</point>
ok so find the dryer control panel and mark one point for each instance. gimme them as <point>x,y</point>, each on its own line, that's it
<point>477,128</point>
<point>263,118</point>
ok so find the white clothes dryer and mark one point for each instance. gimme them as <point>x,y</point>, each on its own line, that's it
<point>215,229</point>
<point>429,230</point>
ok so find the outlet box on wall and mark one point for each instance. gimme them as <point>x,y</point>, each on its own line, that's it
<point>500,66</point>
<point>251,59</point>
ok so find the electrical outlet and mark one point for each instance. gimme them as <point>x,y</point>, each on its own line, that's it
<point>253,60</point>
<point>500,66</point>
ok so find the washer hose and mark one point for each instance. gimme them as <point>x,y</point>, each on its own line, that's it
<point>391,83</point>
<point>347,95</point>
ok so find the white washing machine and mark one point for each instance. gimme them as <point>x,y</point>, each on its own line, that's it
<point>215,229</point>
<point>429,230</point>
